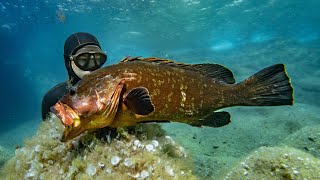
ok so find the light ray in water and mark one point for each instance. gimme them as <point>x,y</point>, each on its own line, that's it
<point>222,46</point>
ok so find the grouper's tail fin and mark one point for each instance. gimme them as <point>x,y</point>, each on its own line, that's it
<point>269,87</point>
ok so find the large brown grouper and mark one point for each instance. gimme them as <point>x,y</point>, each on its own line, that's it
<point>156,90</point>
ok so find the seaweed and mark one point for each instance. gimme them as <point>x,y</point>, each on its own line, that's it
<point>138,154</point>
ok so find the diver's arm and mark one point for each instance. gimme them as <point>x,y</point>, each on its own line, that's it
<point>52,97</point>
<point>44,109</point>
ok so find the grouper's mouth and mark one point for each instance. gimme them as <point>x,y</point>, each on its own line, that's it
<point>65,113</point>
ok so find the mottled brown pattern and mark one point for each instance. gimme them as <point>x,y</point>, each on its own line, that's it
<point>177,94</point>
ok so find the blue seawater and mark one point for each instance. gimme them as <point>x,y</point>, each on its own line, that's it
<point>243,35</point>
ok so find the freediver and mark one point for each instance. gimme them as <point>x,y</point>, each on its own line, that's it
<point>82,55</point>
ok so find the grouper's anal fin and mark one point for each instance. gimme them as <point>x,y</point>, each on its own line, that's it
<point>215,71</point>
<point>215,119</point>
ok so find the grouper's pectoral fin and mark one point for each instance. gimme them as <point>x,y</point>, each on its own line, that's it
<point>215,119</point>
<point>138,101</point>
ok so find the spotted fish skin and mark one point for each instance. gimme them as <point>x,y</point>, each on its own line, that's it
<point>174,92</point>
<point>177,94</point>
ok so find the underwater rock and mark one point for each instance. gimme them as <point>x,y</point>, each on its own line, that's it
<point>169,170</point>
<point>144,174</point>
<point>137,143</point>
<point>91,170</point>
<point>277,163</point>
<point>115,160</point>
<point>128,162</point>
<point>306,139</point>
<point>37,148</point>
<point>101,165</point>
<point>155,143</point>
<point>149,147</point>
<point>44,156</point>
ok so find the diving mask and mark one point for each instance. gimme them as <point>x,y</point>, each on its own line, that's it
<point>89,58</point>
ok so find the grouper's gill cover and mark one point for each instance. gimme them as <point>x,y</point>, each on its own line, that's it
<point>87,97</point>
<point>103,112</point>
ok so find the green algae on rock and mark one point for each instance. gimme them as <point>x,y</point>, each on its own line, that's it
<point>277,163</point>
<point>45,157</point>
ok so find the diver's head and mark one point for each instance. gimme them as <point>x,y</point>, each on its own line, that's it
<point>82,54</point>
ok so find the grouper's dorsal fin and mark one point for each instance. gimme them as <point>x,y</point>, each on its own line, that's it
<point>214,71</point>
<point>151,59</point>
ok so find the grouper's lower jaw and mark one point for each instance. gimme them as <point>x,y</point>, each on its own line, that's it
<point>65,113</point>
<point>65,136</point>
<point>71,132</point>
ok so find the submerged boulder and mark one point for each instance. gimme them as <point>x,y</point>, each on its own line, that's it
<point>277,163</point>
<point>306,139</point>
<point>88,157</point>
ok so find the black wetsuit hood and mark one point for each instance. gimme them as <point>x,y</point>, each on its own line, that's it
<point>73,43</point>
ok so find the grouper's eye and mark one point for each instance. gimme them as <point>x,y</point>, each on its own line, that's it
<point>72,91</point>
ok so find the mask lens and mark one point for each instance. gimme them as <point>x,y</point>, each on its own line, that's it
<point>100,59</point>
<point>82,60</point>
<point>90,61</point>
